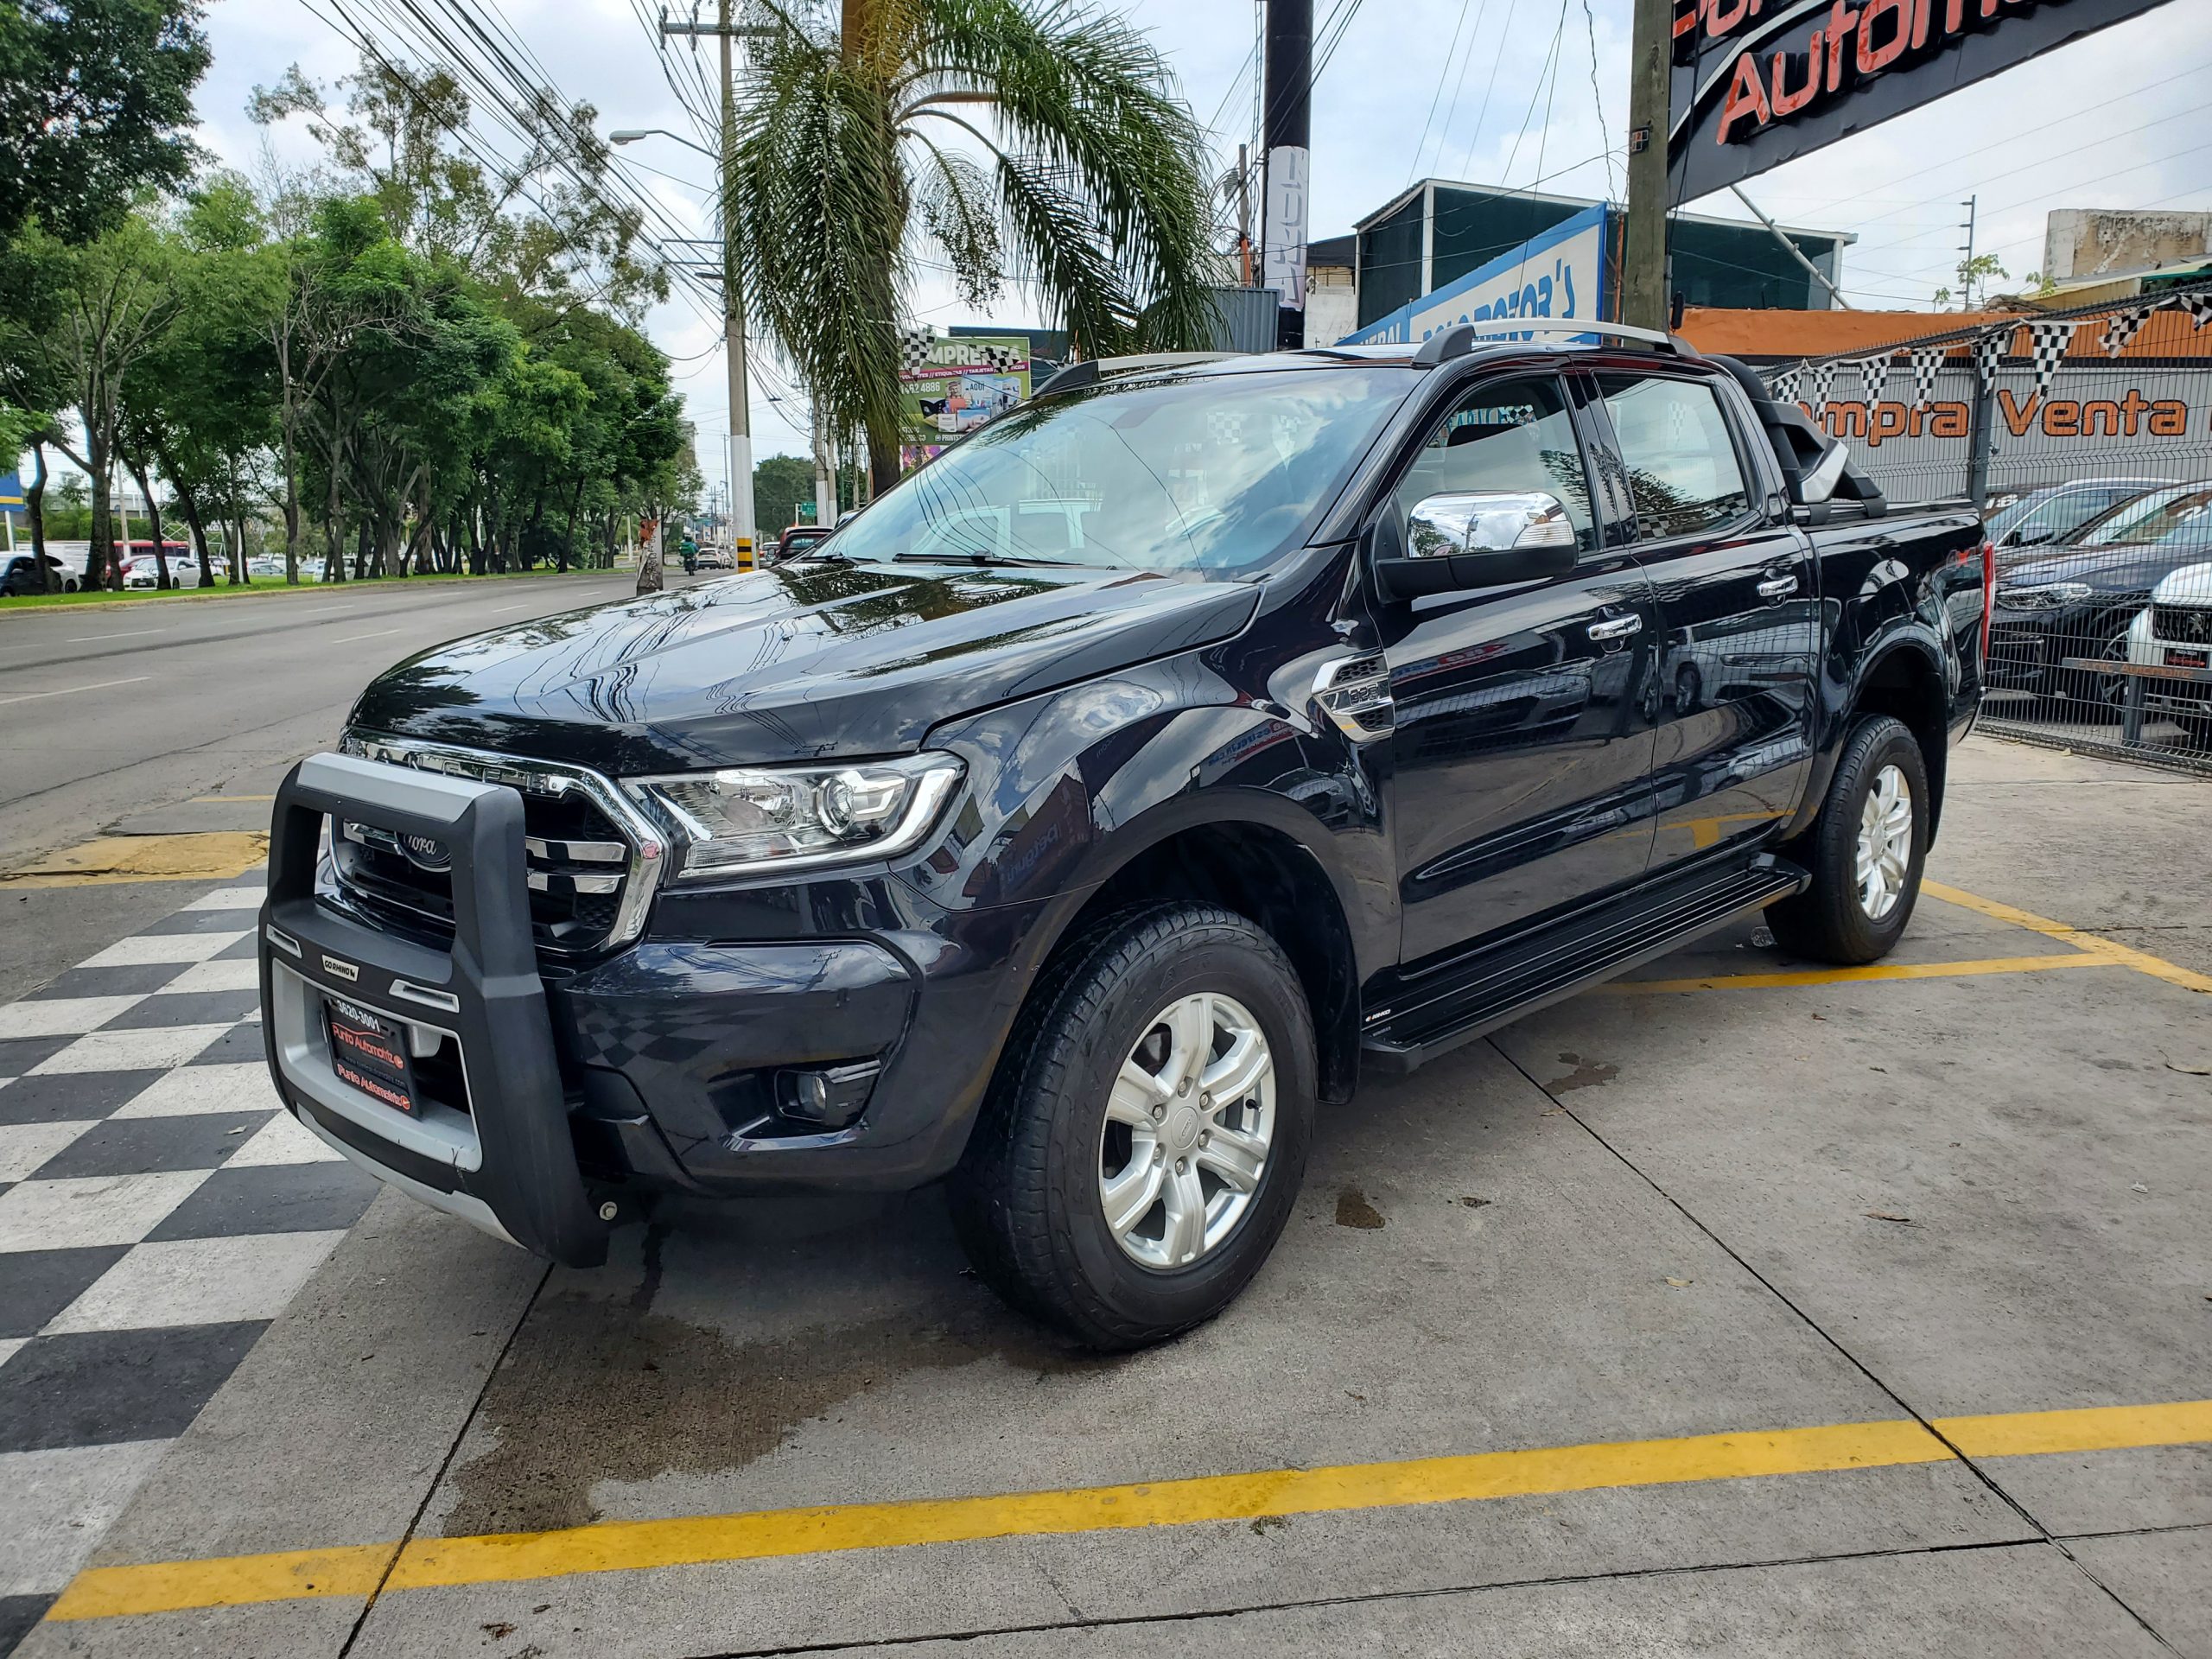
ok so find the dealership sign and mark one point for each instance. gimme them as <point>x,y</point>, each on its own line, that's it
<point>1756,83</point>
<point>2073,427</point>
<point>1558,274</point>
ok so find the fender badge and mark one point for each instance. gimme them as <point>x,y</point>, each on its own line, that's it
<point>345,971</point>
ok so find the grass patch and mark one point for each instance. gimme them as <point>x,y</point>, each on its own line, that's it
<point>271,585</point>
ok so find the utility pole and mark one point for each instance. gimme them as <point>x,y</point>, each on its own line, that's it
<point>1644,298</point>
<point>1966,271</point>
<point>1245,214</point>
<point>825,474</point>
<point>1286,138</point>
<point>739,448</point>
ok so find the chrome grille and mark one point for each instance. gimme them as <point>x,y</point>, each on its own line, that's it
<point>2190,624</point>
<point>593,861</point>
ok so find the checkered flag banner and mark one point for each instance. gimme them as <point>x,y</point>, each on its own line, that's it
<point>1784,384</point>
<point>914,348</point>
<point>2123,326</point>
<point>1927,362</point>
<point>2199,307</point>
<point>1822,375</point>
<point>1002,360</point>
<point>1874,374</point>
<point>2046,343</point>
<point>1988,349</point>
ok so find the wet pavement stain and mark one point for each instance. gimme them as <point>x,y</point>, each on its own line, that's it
<point>600,1389</point>
<point>1587,1074</point>
<point>1354,1210</point>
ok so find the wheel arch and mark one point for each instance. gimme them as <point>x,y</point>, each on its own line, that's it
<point>1906,680</point>
<point>1903,676</point>
<point>1241,854</point>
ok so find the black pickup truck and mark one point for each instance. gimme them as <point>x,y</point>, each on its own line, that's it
<point>1128,780</point>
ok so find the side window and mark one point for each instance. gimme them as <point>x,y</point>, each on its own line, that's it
<point>1511,435</point>
<point>1682,470</point>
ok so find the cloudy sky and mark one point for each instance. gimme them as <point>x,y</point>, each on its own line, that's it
<point>1415,88</point>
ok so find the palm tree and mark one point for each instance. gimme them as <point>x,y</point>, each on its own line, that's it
<point>1039,140</point>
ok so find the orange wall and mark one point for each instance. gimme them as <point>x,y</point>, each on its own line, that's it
<point>1790,336</point>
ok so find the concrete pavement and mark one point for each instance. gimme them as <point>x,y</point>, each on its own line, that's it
<point>1911,1214</point>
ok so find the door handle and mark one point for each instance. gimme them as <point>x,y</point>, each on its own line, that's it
<point>1619,628</point>
<point>1778,586</point>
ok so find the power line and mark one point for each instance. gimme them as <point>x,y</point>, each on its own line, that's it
<point>1466,61</point>
<point>1550,66</point>
<point>1598,98</point>
<point>1420,145</point>
<point>1467,154</point>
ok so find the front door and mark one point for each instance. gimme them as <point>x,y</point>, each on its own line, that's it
<point>1521,752</point>
<point>1738,619</point>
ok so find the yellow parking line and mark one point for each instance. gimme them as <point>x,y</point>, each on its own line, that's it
<point>1853,975</point>
<point>2095,944</point>
<point>171,1587</point>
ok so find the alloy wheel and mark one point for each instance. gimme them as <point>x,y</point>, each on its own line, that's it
<point>1884,853</point>
<point>1189,1124</point>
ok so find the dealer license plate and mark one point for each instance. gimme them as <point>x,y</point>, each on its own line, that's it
<point>369,1052</point>
<point>2187,658</point>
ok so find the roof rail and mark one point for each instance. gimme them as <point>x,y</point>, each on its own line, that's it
<point>1088,372</point>
<point>1462,338</point>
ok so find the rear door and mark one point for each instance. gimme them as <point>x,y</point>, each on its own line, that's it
<point>1738,614</point>
<point>1521,753</point>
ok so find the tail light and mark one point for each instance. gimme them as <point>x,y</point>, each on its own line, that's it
<point>1988,591</point>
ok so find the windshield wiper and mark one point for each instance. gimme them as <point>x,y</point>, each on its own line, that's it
<point>983,560</point>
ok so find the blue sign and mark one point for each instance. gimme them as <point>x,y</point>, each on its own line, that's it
<point>1560,273</point>
<point>11,491</point>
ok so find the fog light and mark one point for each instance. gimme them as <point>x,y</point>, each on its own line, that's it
<point>830,1096</point>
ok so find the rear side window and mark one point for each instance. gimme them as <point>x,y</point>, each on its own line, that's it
<point>1682,470</point>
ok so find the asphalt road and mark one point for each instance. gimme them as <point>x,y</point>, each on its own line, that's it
<point>108,710</point>
<point>110,714</point>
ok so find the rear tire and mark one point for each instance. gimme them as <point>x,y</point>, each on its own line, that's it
<point>1865,851</point>
<point>1095,1051</point>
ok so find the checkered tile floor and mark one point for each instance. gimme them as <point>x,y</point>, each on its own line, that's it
<point>157,1209</point>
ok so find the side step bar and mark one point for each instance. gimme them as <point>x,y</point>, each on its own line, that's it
<point>1470,999</point>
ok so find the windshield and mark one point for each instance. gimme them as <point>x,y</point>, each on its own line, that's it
<point>1214,472</point>
<point>2005,517</point>
<point>2150,518</point>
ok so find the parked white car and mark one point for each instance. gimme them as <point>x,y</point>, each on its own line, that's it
<point>2175,632</point>
<point>143,572</point>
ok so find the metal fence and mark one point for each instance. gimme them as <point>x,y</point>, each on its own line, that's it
<point>2086,437</point>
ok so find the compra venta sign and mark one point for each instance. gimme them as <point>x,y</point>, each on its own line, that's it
<point>2129,416</point>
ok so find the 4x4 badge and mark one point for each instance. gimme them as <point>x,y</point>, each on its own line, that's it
<point>340,969</point>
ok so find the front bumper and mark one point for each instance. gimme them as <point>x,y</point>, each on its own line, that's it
<point>496,1147</point>
<point>680,1063</point>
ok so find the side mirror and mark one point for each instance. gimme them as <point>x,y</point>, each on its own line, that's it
<point>1484,538</point>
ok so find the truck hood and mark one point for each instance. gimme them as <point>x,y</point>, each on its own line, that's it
<point>802,661</point>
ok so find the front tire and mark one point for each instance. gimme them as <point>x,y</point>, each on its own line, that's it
<point>1865,850</point>
<point>1145,1138</point>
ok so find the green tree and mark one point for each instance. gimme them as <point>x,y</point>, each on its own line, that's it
<point>73,322</point>
<point>1035,139</point>
<point>95,106</point>
<point>779,484</point>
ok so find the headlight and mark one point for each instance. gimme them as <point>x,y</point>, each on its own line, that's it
<point>2044,596</point>
<point>746,820</point>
